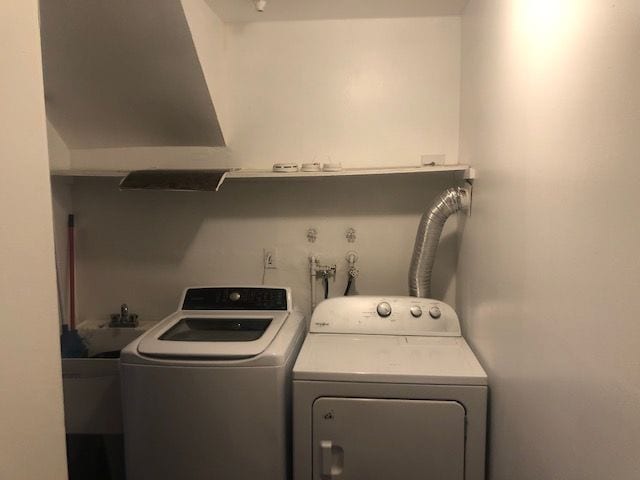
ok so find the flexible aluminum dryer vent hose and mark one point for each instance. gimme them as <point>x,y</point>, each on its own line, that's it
<point>424,251</point>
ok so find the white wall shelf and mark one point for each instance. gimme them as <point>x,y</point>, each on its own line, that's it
<point>254,174</point>
<point>257,174</point>
<point>89,173</point>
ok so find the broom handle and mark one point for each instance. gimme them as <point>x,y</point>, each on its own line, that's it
<point>72,275</point>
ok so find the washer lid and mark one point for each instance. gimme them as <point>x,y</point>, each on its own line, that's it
<point>388,359</point>
<point>204,334</point>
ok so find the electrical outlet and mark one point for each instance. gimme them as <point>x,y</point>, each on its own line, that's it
<point>270,258</point>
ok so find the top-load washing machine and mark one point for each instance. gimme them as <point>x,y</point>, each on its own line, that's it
<point>384,388</point>
<point>207,392</point>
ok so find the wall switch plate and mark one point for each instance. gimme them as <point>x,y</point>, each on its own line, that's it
<point>270,258</point>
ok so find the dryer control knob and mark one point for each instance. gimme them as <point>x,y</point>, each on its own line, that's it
<point>416,311</point>
<point>235,296</point>
<point>384,309</point>
<point>435,312</point>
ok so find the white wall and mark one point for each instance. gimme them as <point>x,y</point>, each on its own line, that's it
<point>375,92</point>
<point>363,92</point>
<point>140,158</point>
<point>59,155</point>
<point>62,207</point>
<point>60,159</point>
<point>32,442</point>
<point>209,39</point>
<point>144,247</point>
<point>549,272</point>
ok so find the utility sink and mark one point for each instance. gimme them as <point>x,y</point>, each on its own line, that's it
<point>106,342</point>
<point>92,385</point>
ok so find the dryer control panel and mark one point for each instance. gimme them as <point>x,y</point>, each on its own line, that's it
<point>385,316</point>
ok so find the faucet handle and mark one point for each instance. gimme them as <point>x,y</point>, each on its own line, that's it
<point>124,319</point>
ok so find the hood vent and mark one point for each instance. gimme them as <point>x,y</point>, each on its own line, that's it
<point>177,180</point>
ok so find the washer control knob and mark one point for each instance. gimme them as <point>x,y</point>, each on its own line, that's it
<point>435,312</point>
<point>416,311</point>
<point>384,309</point>
<point>234,296</point>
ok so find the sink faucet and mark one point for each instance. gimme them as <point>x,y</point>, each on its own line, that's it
<point>124,319</point>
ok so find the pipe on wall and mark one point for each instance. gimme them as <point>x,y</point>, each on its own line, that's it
<point>430,228</point>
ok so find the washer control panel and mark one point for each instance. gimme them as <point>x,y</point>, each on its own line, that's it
<point>385,316</point>
<point>236,298</point>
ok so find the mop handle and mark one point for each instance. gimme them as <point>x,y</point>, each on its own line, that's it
<point>72,275</point>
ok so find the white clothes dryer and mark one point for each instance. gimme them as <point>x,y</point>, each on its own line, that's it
<point>386,387</point>
<point>207,392</point>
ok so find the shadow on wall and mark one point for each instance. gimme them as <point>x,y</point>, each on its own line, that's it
<point>146,246</point>
<point>162,224</point>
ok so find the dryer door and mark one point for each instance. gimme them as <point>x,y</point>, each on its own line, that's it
<point>380,439</point>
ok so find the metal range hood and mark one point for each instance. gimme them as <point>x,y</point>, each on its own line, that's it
<point>124,73</point>
<point>174,180</point>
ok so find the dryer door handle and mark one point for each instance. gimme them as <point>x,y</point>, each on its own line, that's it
<point>331,459</point>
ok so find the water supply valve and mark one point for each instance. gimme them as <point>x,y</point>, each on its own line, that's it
<point>352,270</point>
<point>326,271</point>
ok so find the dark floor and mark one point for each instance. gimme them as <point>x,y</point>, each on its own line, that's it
<point>95,457</point>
